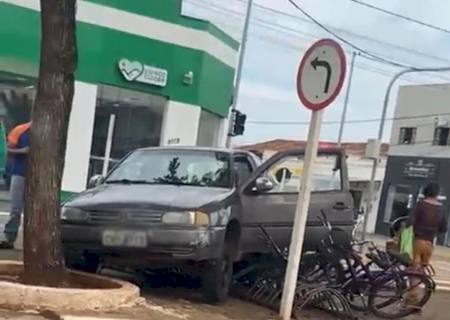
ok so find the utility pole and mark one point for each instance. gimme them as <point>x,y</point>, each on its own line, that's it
<point>347,96</point>
<point>237,83</point>
<point>370,198</point>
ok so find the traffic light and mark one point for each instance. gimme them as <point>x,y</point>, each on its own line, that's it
<point>238,124</point>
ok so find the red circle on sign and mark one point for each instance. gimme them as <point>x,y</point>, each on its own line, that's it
<point>319,106</point>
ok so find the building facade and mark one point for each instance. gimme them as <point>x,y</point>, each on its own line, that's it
<point>146,76</point>
<point>419,152</point>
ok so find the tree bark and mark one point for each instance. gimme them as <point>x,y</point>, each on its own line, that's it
<point>43,257</point>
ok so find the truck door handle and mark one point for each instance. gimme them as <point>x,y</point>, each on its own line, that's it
<point>340,206</point>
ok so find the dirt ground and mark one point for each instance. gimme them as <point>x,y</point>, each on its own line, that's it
<point>182,304</point>
<point>187,304</point>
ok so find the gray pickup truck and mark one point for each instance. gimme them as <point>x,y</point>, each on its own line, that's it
<point>176,206</point>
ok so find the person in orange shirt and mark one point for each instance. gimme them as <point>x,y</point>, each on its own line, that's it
<point>18,147</point>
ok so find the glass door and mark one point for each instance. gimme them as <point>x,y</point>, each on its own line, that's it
<point>124,121</point>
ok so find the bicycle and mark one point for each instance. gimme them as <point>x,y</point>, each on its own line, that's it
<point>365,284</point>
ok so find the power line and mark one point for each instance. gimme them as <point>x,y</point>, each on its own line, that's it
<point>221,9</point>
<point>356,121</point>
<point>337,36</point>
<point>400,16</point>
<point>273,26</point>
<point>294,32</point>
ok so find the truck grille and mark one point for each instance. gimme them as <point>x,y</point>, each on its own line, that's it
<point>141,217</point>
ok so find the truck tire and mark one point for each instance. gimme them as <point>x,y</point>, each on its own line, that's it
<point>217,279</point>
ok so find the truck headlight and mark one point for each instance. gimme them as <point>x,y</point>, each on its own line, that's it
<point>73,214</point>
<point>197,218</point>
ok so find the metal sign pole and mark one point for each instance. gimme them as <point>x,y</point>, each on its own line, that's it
<point>301,214</point>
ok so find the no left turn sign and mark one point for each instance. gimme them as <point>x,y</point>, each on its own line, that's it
<point>321,74</point>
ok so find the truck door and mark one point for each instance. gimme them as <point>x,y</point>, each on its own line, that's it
<point>269,199</point>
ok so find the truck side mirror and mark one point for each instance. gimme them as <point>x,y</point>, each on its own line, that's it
<point>95,181</point>
<point>263,184</point>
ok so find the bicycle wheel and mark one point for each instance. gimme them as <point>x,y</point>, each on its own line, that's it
<point>400,295</point>
<point>357,294</point>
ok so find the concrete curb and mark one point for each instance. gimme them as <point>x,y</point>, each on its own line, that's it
<point>443,285</point>
<point>90,318</point>
<point>116,293</point>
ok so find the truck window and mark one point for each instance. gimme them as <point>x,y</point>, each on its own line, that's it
<point>287,173</point>
<point>243,168</point>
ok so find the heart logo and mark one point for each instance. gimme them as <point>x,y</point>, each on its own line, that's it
<point>130,70</point>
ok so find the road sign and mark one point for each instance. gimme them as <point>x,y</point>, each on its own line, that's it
<point>321,74</point>
<point>319,81</point>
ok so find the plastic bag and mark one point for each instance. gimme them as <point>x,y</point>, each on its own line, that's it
<point>407,241</point>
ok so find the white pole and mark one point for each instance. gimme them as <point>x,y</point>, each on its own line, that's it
<point>347,96</point>
<point>237,84</point>
<point>109,138</point>
<point>301,215</point>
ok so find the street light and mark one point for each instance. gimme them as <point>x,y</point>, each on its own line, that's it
<point>370,198</point>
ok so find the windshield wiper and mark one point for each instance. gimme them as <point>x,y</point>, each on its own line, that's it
<point>179,183</point>
<point>128,181</point>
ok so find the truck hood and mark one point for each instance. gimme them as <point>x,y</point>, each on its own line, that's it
<point>153,197</point>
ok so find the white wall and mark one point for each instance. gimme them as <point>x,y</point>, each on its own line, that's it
<point>209,129</point>
<point>223,133</point>
<point>180,124</point>
<point>421,104</point>
<point>79,138</point>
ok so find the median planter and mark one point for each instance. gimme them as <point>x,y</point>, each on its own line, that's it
<point>84,292</point>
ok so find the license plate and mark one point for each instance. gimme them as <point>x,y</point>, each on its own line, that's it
<point>124,238</point>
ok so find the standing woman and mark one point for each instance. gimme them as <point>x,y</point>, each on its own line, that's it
<point>428,220</point>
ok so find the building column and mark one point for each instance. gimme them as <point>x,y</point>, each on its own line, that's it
<point>180,124</point>
<point>223,132</point>
<point>79,137</point>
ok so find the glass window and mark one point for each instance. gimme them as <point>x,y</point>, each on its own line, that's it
<point>129,119</point>
<point>287,173</point>
<point>16,99</point>
<point>17,95</point>
<point>399,201</point>
<point>407,135</point>
<point>243,168</point>
<point>441,136</point>
<point>178,167</point>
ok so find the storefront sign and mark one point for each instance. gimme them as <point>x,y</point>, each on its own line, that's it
<point>420,169</point>
<point>136,71</point>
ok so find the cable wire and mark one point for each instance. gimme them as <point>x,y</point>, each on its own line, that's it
<point>348,121</point>
<point>221,9</point>
<point>400,16</point>
<point>337,36</point>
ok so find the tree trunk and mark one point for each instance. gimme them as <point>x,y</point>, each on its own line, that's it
<point>43,258</point>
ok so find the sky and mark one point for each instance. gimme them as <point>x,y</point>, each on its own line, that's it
<point>279,35</point>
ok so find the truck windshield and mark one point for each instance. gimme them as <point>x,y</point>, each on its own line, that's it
<point>175,167</point>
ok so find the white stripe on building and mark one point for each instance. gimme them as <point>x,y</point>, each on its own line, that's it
<point>146,27</point>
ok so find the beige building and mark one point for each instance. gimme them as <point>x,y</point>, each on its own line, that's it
<point>419,153</point>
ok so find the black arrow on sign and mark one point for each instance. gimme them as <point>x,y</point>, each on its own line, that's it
<point>324,64</point>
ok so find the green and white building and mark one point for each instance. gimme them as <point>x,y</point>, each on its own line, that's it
<point>147,76</point>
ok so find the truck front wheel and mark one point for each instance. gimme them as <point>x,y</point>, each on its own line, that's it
<point>217,279</point>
